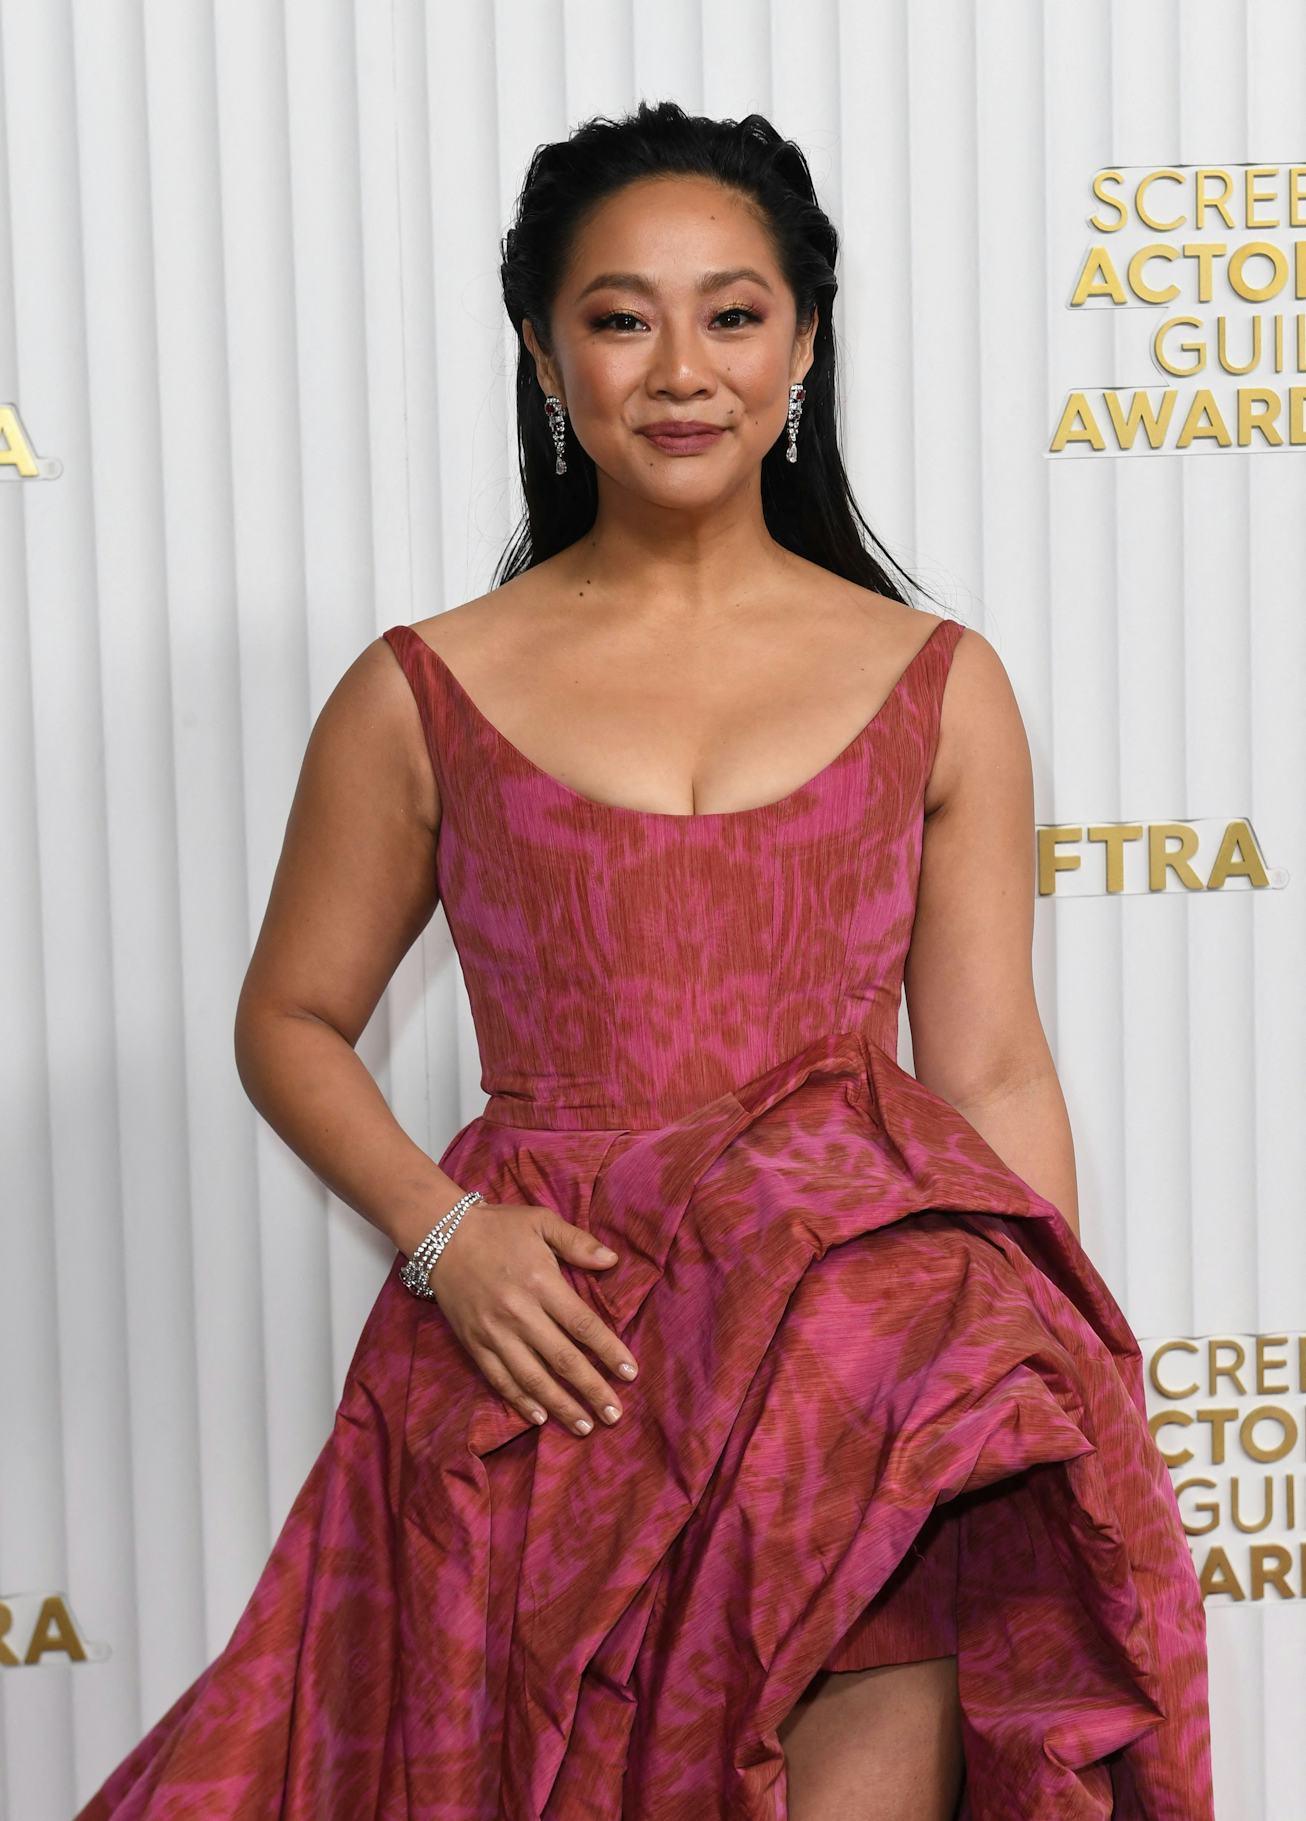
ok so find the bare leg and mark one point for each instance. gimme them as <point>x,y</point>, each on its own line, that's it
<point>876,1744</point>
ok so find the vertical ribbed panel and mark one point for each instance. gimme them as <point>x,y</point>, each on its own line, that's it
<point>250,302</point>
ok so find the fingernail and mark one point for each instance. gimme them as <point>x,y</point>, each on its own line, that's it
<point>610,1413</point>
<point>538,1416</point>
<point>626,1368</point>
<point>584,1426</point>
<point>607,1254</point>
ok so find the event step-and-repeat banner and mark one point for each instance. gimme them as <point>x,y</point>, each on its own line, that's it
<point>256,405</point>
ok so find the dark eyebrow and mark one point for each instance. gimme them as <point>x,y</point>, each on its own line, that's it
<point>636,281</point>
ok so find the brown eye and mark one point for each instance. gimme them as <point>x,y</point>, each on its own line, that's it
<point>618,319</point>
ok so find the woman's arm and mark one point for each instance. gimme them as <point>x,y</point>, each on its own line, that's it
<point>977,1039</point>
<point>354,887</point>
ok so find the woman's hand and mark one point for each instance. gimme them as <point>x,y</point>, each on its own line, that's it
<point>499,1283</point>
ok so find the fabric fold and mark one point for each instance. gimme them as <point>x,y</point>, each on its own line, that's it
<point>887,1409</point>
<point>862,1339</point>
<point>782,1206</point>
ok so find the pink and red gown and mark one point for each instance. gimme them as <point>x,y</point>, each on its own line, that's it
<point>887,1408</point>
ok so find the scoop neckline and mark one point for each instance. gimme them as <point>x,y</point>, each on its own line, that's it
<point>671,815</point>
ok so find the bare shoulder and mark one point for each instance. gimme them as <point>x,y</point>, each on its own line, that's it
<point>496,627</point>
<point>369,731</point>
<point>452,628</point>
<point>886,626</point>
<point>823,592</point>
<point>983,751</point>
<point>477,637</point>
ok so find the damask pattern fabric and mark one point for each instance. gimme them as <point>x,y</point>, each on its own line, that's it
<point>887,1408</point>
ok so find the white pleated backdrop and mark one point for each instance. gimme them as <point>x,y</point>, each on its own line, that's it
<point>250,323</point>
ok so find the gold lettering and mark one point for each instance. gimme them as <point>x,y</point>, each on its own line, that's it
<point>1217,1575</point>
<point>1113,836</point>
<point>15,450</point>
<point>1161,861</point>
<point>1248,865</point>
<point>54,1631</point>
<point>1050,862</point>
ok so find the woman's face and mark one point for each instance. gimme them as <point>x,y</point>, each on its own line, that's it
<point>673,308</point>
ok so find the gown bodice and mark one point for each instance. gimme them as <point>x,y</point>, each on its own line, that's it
<point>626,965</point>
<point>887,1409</point>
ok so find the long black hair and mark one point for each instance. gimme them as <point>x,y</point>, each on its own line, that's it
<point>808,505</point>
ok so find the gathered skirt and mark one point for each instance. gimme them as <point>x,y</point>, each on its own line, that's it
<point>886,1409</point>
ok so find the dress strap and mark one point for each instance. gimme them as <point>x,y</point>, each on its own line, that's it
<point>425,679</point>
<point>930,680</point>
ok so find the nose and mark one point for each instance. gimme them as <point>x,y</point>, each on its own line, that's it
<point>680,367</point>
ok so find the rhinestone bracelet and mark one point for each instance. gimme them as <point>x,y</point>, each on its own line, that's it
<point>416,1274</point>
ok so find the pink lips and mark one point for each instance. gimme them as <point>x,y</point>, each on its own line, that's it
<point>683,438</point>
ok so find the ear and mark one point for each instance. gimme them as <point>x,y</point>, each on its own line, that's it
<point>804,345</point>
<point>545,371</point>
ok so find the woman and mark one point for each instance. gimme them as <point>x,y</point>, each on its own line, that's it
<point>755,1437</point>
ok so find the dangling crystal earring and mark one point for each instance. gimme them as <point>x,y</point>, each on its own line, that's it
<point>797,393</point>
<point>557,423</point>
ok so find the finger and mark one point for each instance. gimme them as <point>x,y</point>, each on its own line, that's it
<point>500,1379</point>
<point>573,1243</point>
<point>526,1353</point>
<point>573,1314</point>
<point>564,1359</point>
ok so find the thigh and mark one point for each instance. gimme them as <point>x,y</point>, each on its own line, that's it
<point>876,1744</point>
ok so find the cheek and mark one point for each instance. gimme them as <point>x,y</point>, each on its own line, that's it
<point>762,408</point>
<point>759,378</point>
<point>596,378</point>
